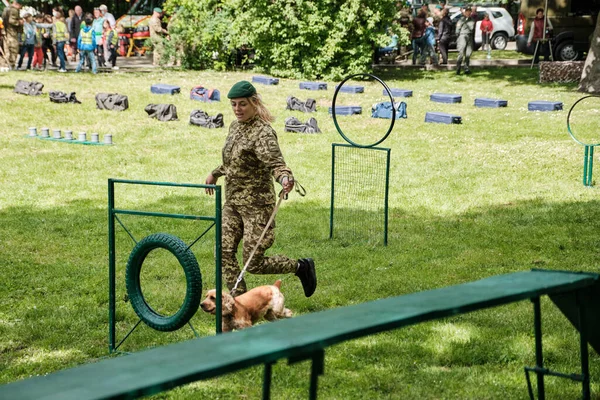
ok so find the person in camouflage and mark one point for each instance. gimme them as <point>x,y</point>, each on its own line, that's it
<point>251,159</point>
<point>465,28</point>
<point>12,27</point>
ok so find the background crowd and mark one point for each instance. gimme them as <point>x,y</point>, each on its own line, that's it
<point>44,39</point>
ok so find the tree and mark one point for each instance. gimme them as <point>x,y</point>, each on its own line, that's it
<point>590,78</point>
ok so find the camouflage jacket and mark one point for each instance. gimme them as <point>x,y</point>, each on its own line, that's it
<point>465,26</point>
<point>251,157</point>
<point>10,19</point>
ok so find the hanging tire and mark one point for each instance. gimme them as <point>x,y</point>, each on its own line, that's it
<point>193,277</point>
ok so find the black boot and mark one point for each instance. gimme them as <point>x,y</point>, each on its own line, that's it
<point>306,272</point>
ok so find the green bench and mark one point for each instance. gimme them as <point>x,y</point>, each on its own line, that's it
<point>307,336</point>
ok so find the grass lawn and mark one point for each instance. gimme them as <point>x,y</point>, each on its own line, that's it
<point>500,193</point>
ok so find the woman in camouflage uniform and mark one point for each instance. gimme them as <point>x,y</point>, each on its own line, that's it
<point>251,159</point>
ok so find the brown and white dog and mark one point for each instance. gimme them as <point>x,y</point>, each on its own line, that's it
<point>246,309</point>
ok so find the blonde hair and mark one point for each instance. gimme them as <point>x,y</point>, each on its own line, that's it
<point>261,109</point>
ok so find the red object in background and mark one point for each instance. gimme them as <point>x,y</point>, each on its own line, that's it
<point>521,24</point>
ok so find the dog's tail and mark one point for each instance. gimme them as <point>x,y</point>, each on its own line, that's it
<point>277,284</point>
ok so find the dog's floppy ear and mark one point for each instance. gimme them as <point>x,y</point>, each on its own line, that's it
<point>228,302</point>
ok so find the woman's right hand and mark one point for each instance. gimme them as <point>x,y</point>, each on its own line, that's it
<point>210,180</point>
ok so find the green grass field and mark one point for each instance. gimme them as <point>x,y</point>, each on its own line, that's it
<point>500,193</point>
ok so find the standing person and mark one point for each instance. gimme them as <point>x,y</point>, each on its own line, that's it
<point>251,159</point>
<point>108,16</point>
<point>12,28</point>
<point>536,34</point>
<point>444,32</point>
<point>156,35</point>
<point>97,25</point>
<point>464,43</point>
<point>28,40</point>
<point>429,43</point>
<point>487,27</point>
<point>60,38</point>
<point>74,28</point>
<point>68,19</point>
<point>47,41</point>
<point>86,43</point>
<point>111,41</point>
<point>417,35</point>
<point>38,54</point>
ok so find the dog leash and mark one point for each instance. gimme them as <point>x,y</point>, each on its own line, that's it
<point>282,196</point>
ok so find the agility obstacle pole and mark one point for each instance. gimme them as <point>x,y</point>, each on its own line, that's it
<point>170,243</point>
<point>352,195</point>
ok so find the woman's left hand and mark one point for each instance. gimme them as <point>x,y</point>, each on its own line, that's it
<point>288,184</point>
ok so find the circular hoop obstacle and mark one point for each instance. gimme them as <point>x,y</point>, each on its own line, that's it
<point>337,126</point>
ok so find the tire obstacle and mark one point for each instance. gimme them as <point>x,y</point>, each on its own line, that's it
<point>355,153</point>
<point>174,245</point>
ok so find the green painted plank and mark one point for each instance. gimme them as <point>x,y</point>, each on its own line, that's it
<point>162,368</point>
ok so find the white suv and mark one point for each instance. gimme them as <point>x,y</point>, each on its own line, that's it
<point>504,29</point>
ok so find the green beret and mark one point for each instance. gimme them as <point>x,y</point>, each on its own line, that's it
<point>241,89</point>
<point>158,10</point>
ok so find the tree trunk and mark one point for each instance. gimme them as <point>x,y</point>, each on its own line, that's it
<point>590,78</point>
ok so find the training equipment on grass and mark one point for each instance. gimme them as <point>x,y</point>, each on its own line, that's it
<point>112,101</point>
<point>200,93</point>
<point>56,96</point>
<point>445,98</point>
<point>350,89</point>
<point>399,92</point>
<point>201,118</point>
<point>265,80</point>
<point>294,103</point>
<point>162,112</point>
<point>490,103</point>
<point>359,179</point>
<point>587,128</point>
<point>28,88</point>
<point>346,110</point>
<point>293,124</point>
<point>384,110</point>
<point>68,138</point>
<point>442,118</point>
<point>164,88</point>
<point>171,243</point>
<point>541,105</point>
<point>313,85</point>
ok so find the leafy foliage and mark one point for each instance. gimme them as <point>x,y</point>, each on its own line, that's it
<point>309,39</point>
<point>313,39</point>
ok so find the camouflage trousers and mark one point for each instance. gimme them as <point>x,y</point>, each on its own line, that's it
<point>464,45</point>
<point>11,50</point>
<point>247,223</point>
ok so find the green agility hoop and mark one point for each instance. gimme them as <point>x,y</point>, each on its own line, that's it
<point>346,138</point>
<point>588,157</point>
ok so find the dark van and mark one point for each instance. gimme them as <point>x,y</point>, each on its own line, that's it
<point>573,22</point>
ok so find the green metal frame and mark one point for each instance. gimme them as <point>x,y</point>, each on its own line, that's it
<point>588,157</point>
<point>387,186</point>
<point>113,215</point>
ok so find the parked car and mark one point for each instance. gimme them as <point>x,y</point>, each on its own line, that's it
<point>504,29</point>
<point>573,24</point>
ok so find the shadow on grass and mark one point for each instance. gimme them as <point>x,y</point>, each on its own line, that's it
<point>54,287</point>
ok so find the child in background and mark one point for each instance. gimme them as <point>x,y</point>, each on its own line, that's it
<point>28,38</point>
<point>60,38</point>
<point>111,39</point>
<point>97,26</point>
<point>38,54</point>
<point>487,27</point>
<point>429,43</point>
<point>86,43</point>
<point>47,40</point>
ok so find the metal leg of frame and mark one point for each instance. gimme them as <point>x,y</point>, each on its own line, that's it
<point>267,381</point>
<point>316,370</point>
<point>539,356</point>
<point>583,344</point>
